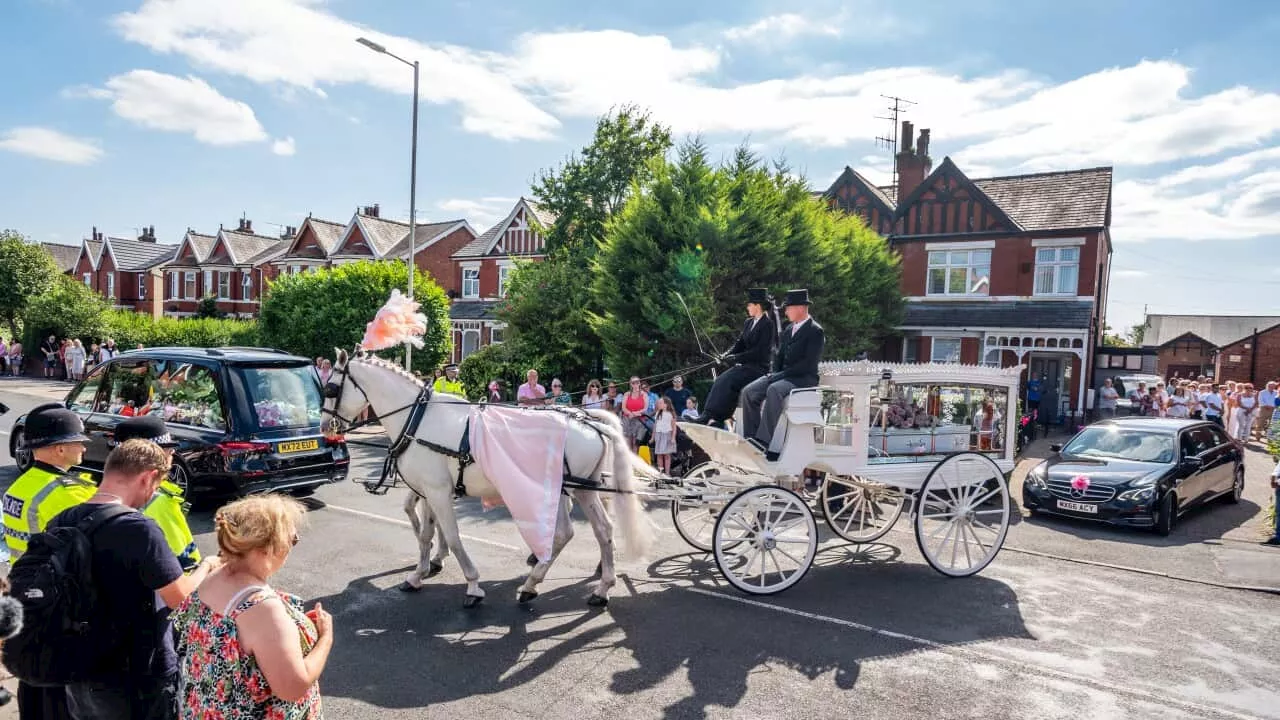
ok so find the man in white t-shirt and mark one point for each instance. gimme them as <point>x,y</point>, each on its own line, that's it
<point>1212,402</point>
<point>1266,409</point>
<point>1107,397</point>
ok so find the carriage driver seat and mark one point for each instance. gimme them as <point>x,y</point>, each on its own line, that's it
<point>795,428</point>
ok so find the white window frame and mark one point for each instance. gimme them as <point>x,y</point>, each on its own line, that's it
<point>463,345</point>
<point>189,281</point>
<point>142,286</point>
<point>933,348</point>
<point>1057,267</point>
<point>111,285</point>
<point>987,359</point>
<point>88,279</point>
<point>504,276</point>
<point>497,334</point>
<point>174,284</point>
<point>948,260</point>
<point>472,282</point>
<point>246,286</point>
<point>224,275</point>
<point>208,284</point>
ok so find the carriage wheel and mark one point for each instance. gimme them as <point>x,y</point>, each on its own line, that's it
<point>860,510</point>
<point>694,518</point>
<point>962,515</point>
<point>765,540</point>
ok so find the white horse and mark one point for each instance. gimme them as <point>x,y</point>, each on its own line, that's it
<point>593,445</point>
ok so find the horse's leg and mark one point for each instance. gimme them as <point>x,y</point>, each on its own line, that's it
<point>602,526</point>
<point>563,534</point>
<point>424,529</point>
<point>440,499</point>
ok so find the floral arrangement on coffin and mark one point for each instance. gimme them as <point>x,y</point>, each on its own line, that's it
<point>904,416</point>
<point>270,414</point>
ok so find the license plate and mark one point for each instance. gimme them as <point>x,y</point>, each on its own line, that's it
<point>297,446</point>
<point>1078,507</point>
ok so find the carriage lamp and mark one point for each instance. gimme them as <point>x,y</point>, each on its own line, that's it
<point>885,386</point>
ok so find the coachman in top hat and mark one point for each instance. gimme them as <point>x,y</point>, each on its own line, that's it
<point>750,356</point>
<point>799,351</point>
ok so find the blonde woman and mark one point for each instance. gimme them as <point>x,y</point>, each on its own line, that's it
<point>75,360</point>
<point>249,651</point>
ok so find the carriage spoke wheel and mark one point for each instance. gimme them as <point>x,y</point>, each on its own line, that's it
<point>859,510</point>
<point>765,540</point>
<point>695,519</point>
<point>962,514</point>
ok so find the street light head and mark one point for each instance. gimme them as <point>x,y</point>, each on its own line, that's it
<point>372,45</point>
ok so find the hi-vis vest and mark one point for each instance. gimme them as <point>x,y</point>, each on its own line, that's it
<point>166,509</point>
<point>445,385</point>
<point>35,498</point>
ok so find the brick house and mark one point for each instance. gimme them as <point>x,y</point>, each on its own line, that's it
<point>125,271</point>
<point>1224,347</point>
<point>997,271</point>
<point>482,267</point>
<point>64,257</point>
<point>184,283</point>
<point>371,237</point>
<point>233,271</point>
<point>312,245</point>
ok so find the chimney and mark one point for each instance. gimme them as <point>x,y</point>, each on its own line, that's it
<point>913,163</point>
<point>148,234</point>
<point>289,232</point>
<point>248,226</point>
<point>93,234</point>
<point>372,210</point>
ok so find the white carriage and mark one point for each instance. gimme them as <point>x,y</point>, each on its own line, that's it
<point>935,440</point>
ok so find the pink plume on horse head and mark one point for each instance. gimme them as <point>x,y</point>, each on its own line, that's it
<point>397,322</point>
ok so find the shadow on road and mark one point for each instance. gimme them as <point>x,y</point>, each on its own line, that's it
<point>1208,522</point>
<point>408,654</point>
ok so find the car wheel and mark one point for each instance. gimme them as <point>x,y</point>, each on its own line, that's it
<point>22,458</point>
<point>301,492</point>
<point>179,476</point>
<point>1166,515</point>
<point>1237,486</point>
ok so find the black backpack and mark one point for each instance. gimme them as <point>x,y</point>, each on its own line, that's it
<point>62,638</point>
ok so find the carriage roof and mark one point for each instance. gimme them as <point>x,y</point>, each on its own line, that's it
<point>868,372</point>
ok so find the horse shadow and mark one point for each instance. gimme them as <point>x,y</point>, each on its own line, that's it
<point>858,603</point>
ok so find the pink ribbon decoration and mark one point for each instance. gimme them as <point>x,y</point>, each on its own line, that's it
<point>1080,483</point>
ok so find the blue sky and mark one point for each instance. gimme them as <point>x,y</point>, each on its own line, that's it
<point>190,113</point>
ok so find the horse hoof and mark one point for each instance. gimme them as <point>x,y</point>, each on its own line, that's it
<point>526,595</point>
<point>531,560</point>
<point>408,587</point>
<point>435,569</point>
<point>597,601</point>
<point>472,601</point>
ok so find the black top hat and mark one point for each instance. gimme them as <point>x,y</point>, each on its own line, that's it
<point>797,297</point>
<point>53,424</point>
<point>147,427</point>
<point>759,296</point>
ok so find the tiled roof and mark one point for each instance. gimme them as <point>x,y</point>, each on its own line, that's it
<point>480,246</point>
<point>544,216</point>
<point>64,256</point>
<point>473,310</point>
<point>328,233</point>
<point>279,247</point>
<point>1054,200</point>
<point>1218,330</point>
<point>243,247</point>
<point>135,255</point>
<point>383,234</point>
<point>423,234</point>
<point>1021,313</point>
<point>95,250</point>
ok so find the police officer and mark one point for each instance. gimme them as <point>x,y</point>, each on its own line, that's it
<point>55,437</point>
<point>167,505</point>
<point>449,382</point>
<point>750,355</point>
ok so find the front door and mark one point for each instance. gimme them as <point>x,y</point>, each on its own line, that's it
<point>1048,370</point>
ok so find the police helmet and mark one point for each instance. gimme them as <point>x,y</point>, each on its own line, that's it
<point>52,424</point>
<point>147,427</point>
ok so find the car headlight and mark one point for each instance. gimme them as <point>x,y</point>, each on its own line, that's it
<point>1143,488</point>
<point>1036,478</point>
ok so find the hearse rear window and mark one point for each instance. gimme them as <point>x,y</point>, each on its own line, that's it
<point>283,397</point>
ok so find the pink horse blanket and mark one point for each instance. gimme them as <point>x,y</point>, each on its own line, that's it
<point>521,452</point>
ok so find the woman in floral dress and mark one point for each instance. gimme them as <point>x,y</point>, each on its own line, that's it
<point>249,652</point>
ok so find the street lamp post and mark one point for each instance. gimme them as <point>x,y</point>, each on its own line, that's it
<point>413,177</point>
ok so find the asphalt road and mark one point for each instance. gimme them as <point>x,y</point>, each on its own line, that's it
<point>872,631</point>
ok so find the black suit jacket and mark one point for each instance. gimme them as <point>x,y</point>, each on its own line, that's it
<point>754,346</point>
<point>798,356</point>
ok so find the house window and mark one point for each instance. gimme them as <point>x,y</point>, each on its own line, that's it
<point>992,358</point>
<point>142,286</point>
<point>470,283</point>
<point>246,286</point>
<point>1133,362</point>
<point>207,288</point>
<point>959,272</point>
<point>1057,270</point>
<point>173,286</point>
<point>910,349</point>
<point>470,342</point>
<point>504,273</point>
<point>88,280</point>
<point>945,350</point>
<point>189,285</point>
<point>495,335</point>
<point>224,285</point>
<point>111,285</point>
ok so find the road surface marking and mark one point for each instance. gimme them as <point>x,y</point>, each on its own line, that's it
<point>406,523</point>
<point>1016,666</point>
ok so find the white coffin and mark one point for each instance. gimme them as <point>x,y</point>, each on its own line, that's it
<point>920,441</point>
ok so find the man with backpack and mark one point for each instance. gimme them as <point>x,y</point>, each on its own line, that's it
<point>168,506</point>
<point>93,586</point>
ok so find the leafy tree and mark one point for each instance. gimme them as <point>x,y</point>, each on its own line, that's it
<point>26,272</point>
<point>208,308</point>
<point>1136,334</point>
<point>492,362</point>
<point>708,234</point>
<point>1111,339</point>
<point>68,309</point>
<point>311,313</point>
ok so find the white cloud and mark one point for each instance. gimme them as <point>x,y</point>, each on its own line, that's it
<point>481,212</point>
<point>297,44</point>
<point>50,145</point>
<point>189,105</point>
<point>284,146</point>
<point>786,26</point>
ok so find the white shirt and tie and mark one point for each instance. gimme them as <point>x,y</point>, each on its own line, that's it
<point>796,326</point>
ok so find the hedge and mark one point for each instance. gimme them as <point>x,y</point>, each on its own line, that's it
<point>129,328</point>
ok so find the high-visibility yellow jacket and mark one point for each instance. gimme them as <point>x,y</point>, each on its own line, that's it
<point>35,498</point>
<point>445,385</point>
<point>167,508</point>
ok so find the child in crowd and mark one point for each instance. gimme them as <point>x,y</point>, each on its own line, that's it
<point>664,434</point>
<point>690,409</point>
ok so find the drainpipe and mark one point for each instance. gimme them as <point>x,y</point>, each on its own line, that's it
<point>1253,355</point>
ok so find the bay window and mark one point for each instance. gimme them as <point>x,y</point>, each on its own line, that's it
<point>189,285</point>
<point>959,272</point>
<point>944,350</point>
<point>1057,270</point>
<point>246,286</point>
<point>224,285</point>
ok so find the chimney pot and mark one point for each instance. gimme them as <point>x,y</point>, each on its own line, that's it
<point>248,226</point>
<point>924,142</point>
<point>908,138</point>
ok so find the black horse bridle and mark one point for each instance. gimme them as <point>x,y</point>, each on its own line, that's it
<point>333,391</point>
